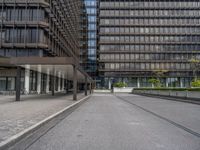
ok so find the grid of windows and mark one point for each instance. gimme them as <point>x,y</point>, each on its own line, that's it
<point>144,36</point>
<point>150,13</point>
<point>174,66</point>
<point>145,56</point>
<point>38,25</point>
<point>149,4</point>
<point>124,48</point>
<point>91,8</point>
<point>149,22</point>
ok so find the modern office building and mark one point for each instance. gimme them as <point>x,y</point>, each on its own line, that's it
<point>40,28</point>
<point>91,9</point>
<point>137,39</point>
<point>84,39</point>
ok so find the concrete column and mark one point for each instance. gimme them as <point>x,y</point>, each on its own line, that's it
<point>53,82</point>
<point>67,86</point>
<point>52,85</point>
<point>59,76</point>
<point>95,84</point>
<point>27,79</point>
<point>12,84</point>
<point>18,84</point>
<point>86,85</point>
<point>63,82</point>
<point>138,82</point>
<point>77,87</point>
<point>167,82</point>
<point>90,87</point>
<point>48,78</point>
<point>74,83</point>
<point>39,80</point>
<point>109,84</point>
<point>181,83</point>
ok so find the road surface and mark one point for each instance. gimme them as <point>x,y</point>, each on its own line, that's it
<point>126,122</point>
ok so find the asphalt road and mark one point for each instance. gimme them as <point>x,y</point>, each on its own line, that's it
<point>126,122</point>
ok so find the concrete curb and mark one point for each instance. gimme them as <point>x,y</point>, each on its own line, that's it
<point>24,139</point>
<point>172,98</point>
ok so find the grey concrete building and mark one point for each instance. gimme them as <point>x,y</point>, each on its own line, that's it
<point>137,39</point>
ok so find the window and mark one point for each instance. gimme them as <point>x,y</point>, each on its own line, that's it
<point>2,84</point>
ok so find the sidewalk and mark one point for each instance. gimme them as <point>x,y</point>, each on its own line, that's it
<point>17,116</point>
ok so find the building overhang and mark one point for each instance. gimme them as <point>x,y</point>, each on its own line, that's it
<point>56,66</point>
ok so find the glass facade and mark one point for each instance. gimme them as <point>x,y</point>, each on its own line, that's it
<point>91,8</point>
<point>137,38</point>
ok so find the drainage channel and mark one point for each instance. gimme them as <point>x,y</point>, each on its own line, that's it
<point>163,118</point>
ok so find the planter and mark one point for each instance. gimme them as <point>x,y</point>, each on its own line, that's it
<point>123,90</point>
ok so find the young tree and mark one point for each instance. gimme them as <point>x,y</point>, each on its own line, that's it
<point>159,74</point>
<point>154,82</point>
<point>195,83</point>
<point>195,64</point>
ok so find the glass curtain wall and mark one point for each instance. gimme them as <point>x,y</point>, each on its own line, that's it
<point>91,8</point>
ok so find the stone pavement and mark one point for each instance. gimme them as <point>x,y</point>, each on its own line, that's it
<point>17,116</point>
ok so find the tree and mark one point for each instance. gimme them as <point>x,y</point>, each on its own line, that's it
<point>155,82</point>
<point>195,64</point>
<point>159,74</point>
<point>195,83</point>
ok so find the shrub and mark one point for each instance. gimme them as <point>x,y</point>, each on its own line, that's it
<point>120,84</point>
<point>154,82</point>
<point>195,83</point>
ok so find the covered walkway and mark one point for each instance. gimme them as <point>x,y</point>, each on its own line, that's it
<point>66,67</point>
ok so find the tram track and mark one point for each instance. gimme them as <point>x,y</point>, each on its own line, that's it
<point>161,117</point>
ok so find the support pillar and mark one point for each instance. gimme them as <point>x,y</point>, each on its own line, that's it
<point>109,84</point>
<point>18,84</point>
<point>39,80</point>
<point>181,83</point>
<point>167,82</point>
<point>90,88</point>
<point>74,83</point>
<point>77,87</point>
<point>86,85</point>
<point>138,82</point>
<point>59,77</point>
<point>52,85</point>
<point>48,78</point>
<point>63,82</point>
<point>12,84</point>
<point>26,79</point>
<point>53,82</point>
<point>67,86</point>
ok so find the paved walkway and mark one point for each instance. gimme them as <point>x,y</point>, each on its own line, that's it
<point>126,122</point>
<point>17,116</point>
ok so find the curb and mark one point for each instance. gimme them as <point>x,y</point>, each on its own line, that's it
<point>172,98</point>
<point>25,138</point>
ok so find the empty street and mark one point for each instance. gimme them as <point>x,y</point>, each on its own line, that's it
<point>126,122</point>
